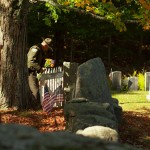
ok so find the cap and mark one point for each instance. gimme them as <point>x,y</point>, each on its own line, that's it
<point>48,41</point>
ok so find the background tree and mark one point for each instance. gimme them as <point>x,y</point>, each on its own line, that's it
<point>14,89</point>
<point>86,37</point>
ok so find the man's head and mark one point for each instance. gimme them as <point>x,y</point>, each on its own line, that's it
<point>46,44</point>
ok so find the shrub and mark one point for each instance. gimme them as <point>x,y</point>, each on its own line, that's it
<point>141,81</point>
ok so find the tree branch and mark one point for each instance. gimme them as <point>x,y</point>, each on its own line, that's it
<point>81,11</point>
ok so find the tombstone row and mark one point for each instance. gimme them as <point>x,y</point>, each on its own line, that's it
<point>130,82</point>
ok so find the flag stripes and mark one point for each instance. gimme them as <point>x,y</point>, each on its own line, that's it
<point>49,100</point>
<point>60,98</point>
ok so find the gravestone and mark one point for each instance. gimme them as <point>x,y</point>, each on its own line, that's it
<point>92,104</point>
<point>133,83</point>
<point>147,81</point>
<point>116,80</point>
<point>92,82</point>
<point>70,72</point>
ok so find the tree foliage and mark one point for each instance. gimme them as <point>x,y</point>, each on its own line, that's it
<point>118,12</point>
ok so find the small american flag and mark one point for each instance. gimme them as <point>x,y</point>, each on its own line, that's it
<point>49,100</point>
<point>60,98</point>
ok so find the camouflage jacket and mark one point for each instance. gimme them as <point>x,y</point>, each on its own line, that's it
<point>35,58</point>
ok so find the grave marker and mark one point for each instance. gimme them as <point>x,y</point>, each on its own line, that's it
<point>147,81</point>
<point>116,80</point>
<point>133,83</point>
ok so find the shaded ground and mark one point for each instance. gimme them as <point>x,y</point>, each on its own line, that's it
<point>134,130</point>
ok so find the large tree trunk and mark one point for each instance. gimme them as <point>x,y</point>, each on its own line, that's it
<point>14,89</point>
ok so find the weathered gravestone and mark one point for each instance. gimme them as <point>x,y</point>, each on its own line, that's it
<point>92,82</point>
<point>133,83</point>
<point>116,80</point>
<point>93,104</point>
<point>70,70</point>
<point>147,81</point>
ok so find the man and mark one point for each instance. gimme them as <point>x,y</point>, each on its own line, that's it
<point>35,63</point>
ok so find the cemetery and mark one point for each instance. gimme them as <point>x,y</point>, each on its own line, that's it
<point>89,109</point>
<point>130,82</point>
<point>74,75</point>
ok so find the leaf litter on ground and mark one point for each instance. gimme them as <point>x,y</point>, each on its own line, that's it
<point>134,129</point>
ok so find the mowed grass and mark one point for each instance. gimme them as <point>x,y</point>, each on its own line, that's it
<point>133,100</point>
<point>135,126</point>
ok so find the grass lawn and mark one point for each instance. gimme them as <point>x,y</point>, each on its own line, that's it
<point>135,127</point>
<point>133,100</point>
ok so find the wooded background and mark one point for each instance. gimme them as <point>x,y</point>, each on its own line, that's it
<point>79,37</point>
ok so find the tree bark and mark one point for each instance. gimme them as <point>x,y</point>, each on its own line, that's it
<point>14,89</point>
<point>59,44</point>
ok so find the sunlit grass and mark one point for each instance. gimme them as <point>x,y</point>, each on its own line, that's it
<point>133,100</point>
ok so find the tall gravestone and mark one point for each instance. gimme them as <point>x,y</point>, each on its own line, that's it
<point>147,81</point>
<point>116,80</point>
<point>70,72</point>
<point>92,104</point>
<point>92,82</point>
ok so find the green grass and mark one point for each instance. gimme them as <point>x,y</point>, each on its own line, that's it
<point>133,100</point>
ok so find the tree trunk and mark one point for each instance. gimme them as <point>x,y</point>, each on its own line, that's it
<point>59,43</point>
<point>14,89</point>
